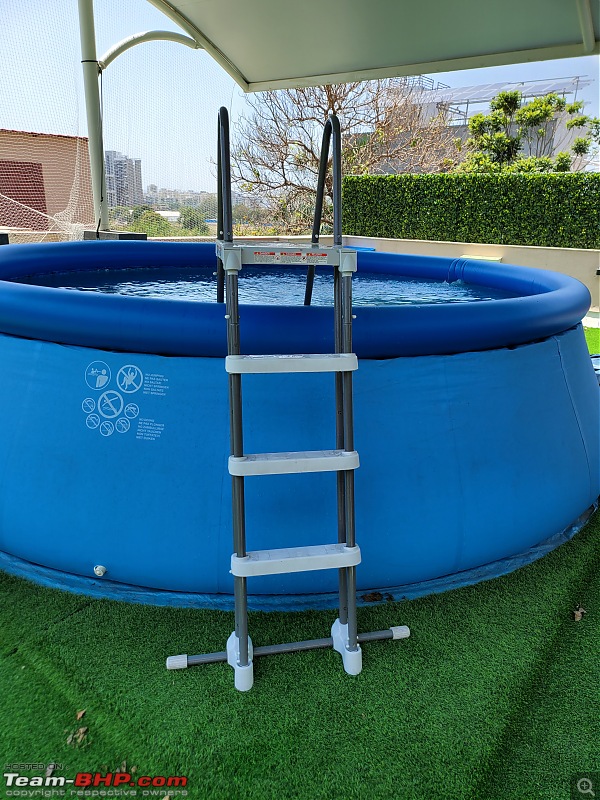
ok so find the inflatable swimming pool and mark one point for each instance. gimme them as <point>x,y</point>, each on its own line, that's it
<point>476,424</point>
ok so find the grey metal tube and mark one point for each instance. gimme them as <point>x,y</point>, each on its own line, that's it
<point>316,229</point>
<point>337,179</point>
<point>346,281</point>
<point>241,617</point>
<point>342,573</point>
<point>310,280</point>
<point>346,337</point>
<point>225,174</point>
<point>220,271</point>
<point>290,647</point>
<point>237,482</point>
<point>324,158</point>
<point>332,126</point>
<point>339,443</point>
<point>352,622</point>
<point>235,385</point>
<point>349,510</point>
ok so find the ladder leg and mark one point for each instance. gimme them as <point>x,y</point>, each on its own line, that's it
<point>344,632</point>
<point>240,587</point>
<point>341,500</point>
<point>339,442</point>
<point>239,645</point>
<point>349,513</point>
<point>351,571</point>
<point>344,629</point>
<point>352,624</point>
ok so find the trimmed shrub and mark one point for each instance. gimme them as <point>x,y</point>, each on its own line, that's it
<point>544,210</point>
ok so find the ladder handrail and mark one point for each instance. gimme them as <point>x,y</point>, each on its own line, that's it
<point>332,126</point>
<point>224,208</point>
<point>224,205</point>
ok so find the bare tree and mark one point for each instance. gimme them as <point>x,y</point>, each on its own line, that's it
<point>385,128</point>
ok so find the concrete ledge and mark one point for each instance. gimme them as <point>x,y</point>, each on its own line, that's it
<point>580,264</point>
<point>592,319</point>
<point>324,240</point>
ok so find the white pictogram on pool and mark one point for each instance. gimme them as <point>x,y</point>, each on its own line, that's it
<point>130,378</point>
<point>97,375</point>
<point>106,428</point>
<point>111,412</point>
<point>122,425</point>
<point>110,404</point>
<point>131,410</point>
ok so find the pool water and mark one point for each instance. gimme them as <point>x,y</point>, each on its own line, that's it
<point>268,286</point>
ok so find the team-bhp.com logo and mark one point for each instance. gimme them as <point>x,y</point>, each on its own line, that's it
<point>17,784</point>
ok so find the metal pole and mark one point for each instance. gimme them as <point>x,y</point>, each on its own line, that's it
<point>220,272</point>
<point>93,110</point>
<point>235,391</point>
<point>337,179</point>
<point>225,175</point>
<point>349,513</point>
<point>237,482</point>
<point>316,229</point>
<point>399,632</point>
<point>339,441</point>
<point>333,127</point>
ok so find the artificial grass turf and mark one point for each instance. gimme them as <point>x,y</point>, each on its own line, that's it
<point>494,696</point>
<point>592,337</point>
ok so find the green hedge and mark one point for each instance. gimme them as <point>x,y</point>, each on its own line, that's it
<point>551,210</point>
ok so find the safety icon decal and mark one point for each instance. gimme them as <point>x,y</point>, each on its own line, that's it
<point>110,408</point>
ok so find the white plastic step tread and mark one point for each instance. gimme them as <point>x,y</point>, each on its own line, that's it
<point>302,362</point>
<point>295,559</point>
<point>292,463</point>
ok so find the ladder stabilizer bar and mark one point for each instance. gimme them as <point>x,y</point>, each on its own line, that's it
<point>184,661</point>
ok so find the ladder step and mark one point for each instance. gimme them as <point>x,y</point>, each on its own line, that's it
<point>302,362</point>
<point>295,559</point>
<point>292,463</point>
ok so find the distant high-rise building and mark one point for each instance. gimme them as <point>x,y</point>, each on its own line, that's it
<point>123,179</point>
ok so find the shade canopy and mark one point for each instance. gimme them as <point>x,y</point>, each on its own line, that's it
<point>276,44</point>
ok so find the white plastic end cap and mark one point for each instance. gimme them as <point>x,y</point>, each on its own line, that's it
<point>400,632</point>
<point>177,662</point>
<point>243,675</point>
<point>348,260</point>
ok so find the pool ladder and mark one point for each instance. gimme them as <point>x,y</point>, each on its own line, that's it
<point>344,555</point>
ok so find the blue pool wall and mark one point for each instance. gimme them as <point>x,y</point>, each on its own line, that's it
<point>465,459</point>
<point>468,459</point>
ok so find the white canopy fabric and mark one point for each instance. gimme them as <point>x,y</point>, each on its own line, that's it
<point>276,44</point>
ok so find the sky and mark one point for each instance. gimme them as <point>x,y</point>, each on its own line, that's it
<point>160,99</point>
